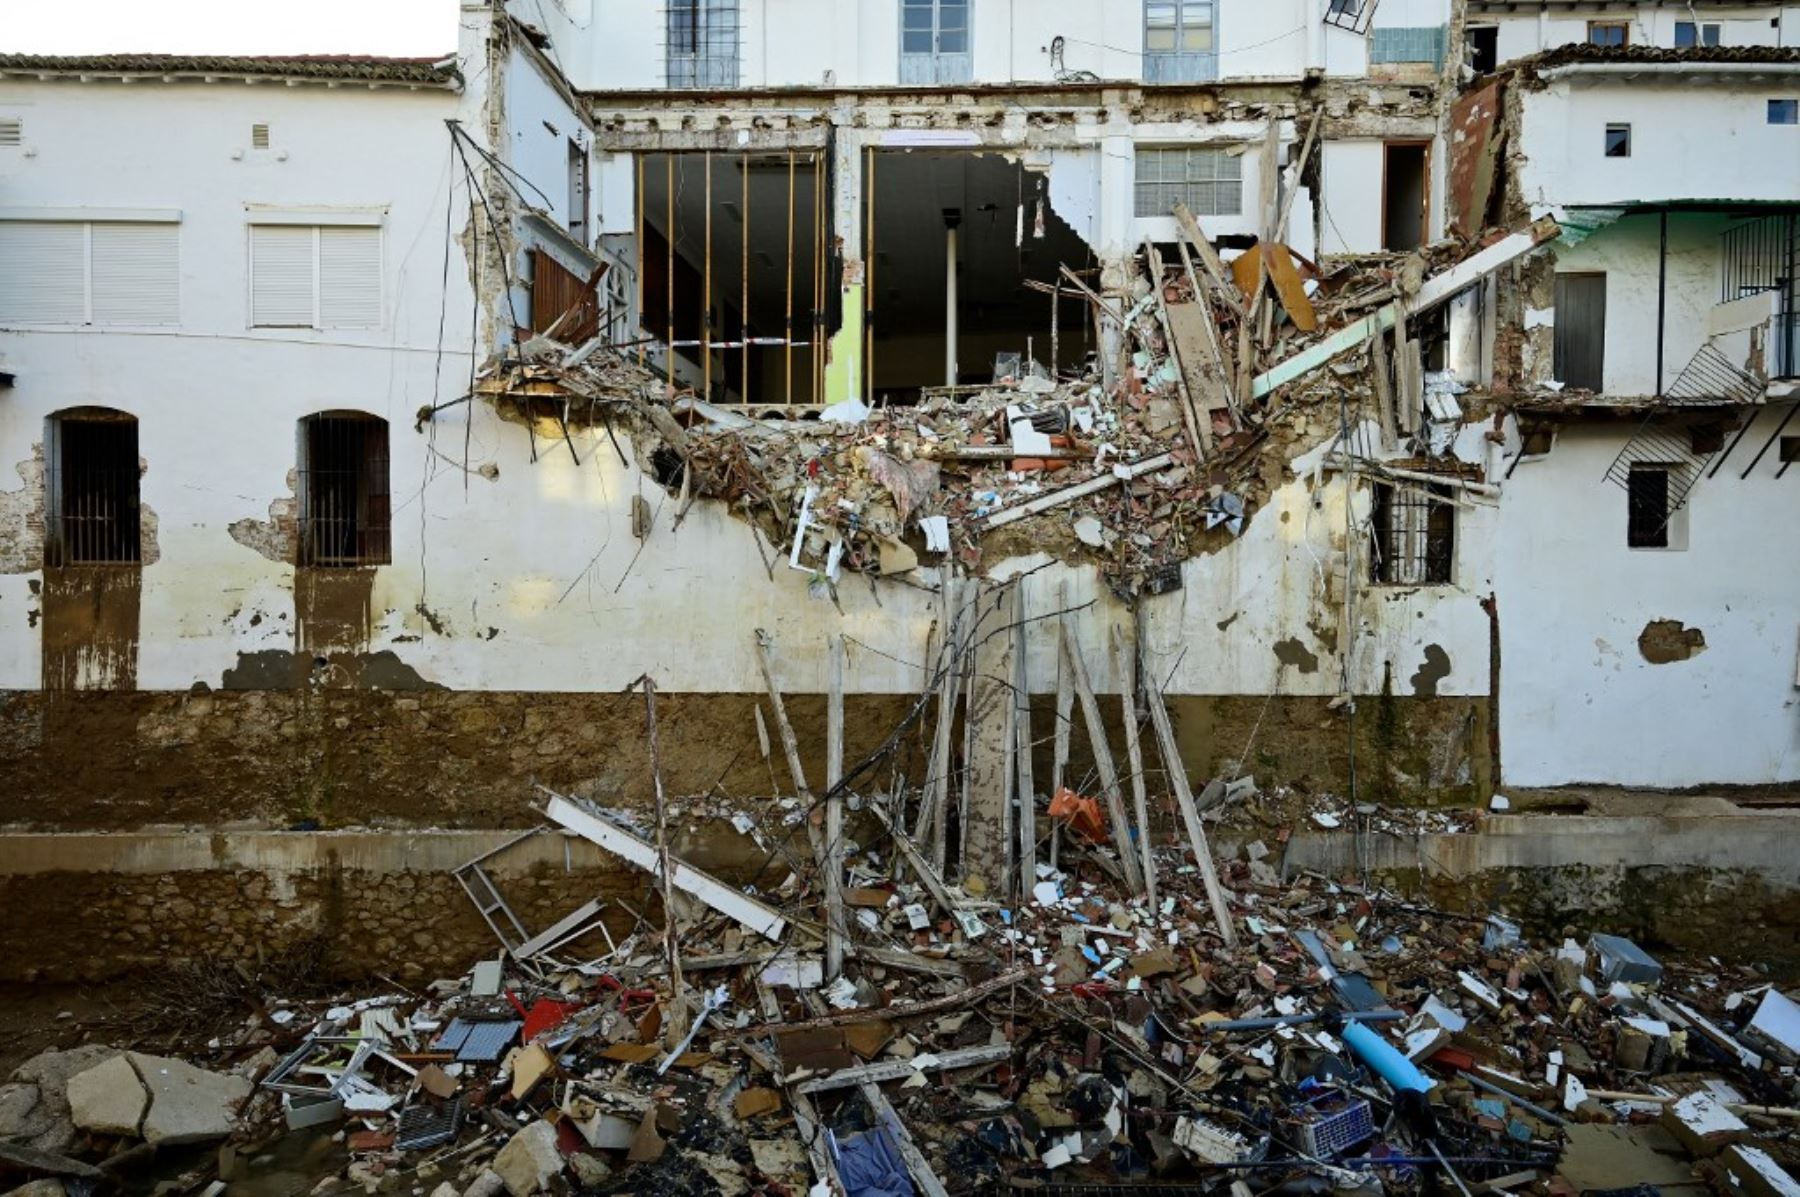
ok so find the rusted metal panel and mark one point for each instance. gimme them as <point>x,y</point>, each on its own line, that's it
<point>1475,145</point>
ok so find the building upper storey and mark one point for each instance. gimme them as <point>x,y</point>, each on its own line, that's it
<point>1502,31</point>
<point>743,45</point>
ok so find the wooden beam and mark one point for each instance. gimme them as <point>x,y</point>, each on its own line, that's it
<point>1199,430</point>
<point>1125,661</point>
<point>1184,799</point>
<point>896,1070</point>
<point>1436,290</point>
<point>1103,759</point>
<point>1022,766</point>
<point>928,876</point>
<point>916,1163</point>
<point>836,934</point>
<point>1080,490</point>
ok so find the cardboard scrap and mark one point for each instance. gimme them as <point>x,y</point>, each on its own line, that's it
<point>754,1102</point>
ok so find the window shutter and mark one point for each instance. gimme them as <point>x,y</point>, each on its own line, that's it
<point>12,131</point>
<point>135,278</point>
<point>349,277</point>
<point>45,273</point>
<point>281,276</point>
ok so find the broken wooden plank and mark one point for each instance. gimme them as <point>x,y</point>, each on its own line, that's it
<point>1384,392</point>
<point>1022,765</point>
<point>1125,661</point>
<point>916,1164</point>
<point>727,900</point>
<point>950,1001</point>
<point>564,928</point>
<point>818,1152</point>
<point>895,1070</point>
<point>928,875</point>
<point>836,934</point>
<point>1184,799</point>
<point>1065,726</point>
<point>1068,494</point>
<point>1199,427</point>
<point>949,677</point>
<point>905,961</point>
<point>1209,257</point>
<point>1103,759</point>
<point>790,746</point>
<point>1436,290</point>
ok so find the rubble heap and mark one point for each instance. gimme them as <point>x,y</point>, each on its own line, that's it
<point>1141,454</point>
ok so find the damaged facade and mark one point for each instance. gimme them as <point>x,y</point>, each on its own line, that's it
<point>655,246</point>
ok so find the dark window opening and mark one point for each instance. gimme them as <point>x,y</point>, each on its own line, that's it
<point>1784,112</point>
<point>1405,196</point>
<point>1706,438</point>
<point>1789,449</point>
<point>1618,141</point>
<point>1484,49</point>
<point>1580,339</point>
<point>92,490</point>
<point>1415,534</point>
<point>344,505</point>
<point>1609,33</point>
<point>1647,523</point>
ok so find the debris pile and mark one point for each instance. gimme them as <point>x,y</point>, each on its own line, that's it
<point>1327,1037</point>
<point>1142,454</point>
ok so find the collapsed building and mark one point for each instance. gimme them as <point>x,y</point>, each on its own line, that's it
<point>933,450</point>
<point>1394,389</point>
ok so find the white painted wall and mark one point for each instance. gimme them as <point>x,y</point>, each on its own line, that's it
<point>1578,701</point>
<point>1526,33</point>
<point>1693,137</point>
<point>1628,254</point>
<point>796,43</point>
<point>1353,172</point>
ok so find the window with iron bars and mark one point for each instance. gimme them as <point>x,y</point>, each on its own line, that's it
<point>343,491</point>
<point>1414,529</point>
<point>1208,181</point>
<point>703,43</point>
<point>91,489</point>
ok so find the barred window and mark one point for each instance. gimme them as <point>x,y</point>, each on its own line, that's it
<point>703,43</point>
<point>344,504</point>
<point>1210,182</point>
<point>92,489</point>
<point>1415,534</point>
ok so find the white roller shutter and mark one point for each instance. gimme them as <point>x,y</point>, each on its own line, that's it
<point>135,277</point>
<point>349,276</point>
<point>281,276</point>
<point>43,272</point>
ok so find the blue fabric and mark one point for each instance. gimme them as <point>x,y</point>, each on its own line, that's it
<point>869,1165</point>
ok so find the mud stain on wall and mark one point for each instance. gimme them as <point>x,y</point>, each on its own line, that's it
<point>1664,641</point>
<point>279,669</point>
<point>1292,652</point>
<point>1434,669</point>
<point>333,609</point>
<point>90,616</point>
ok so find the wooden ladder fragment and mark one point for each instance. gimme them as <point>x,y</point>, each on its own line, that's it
<point>1103,760</point>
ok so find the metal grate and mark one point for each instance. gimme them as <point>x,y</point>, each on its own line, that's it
<point>1669,447</point>
<point>703,43</point>
<point>344,505</point>
<point>1415,534</point>
<point>1764,255</point>
<point>1330,1133</point>
<point>93,491</point>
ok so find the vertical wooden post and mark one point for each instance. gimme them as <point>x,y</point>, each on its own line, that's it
<point>706,325</point>
<point>669,329</point>
<point>835,929</point>
<point>1022,770</point>
<point>787,350</point>
<point>1103,760</point>
<point>671,940</point>
<point>744,298</point>
<point>1125,660</point>
<point>1184,799</point>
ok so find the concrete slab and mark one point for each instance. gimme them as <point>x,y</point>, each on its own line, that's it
<point>109,1099</point>
<point>187,1104</point>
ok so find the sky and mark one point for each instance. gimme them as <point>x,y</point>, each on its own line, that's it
<point>402,28</point>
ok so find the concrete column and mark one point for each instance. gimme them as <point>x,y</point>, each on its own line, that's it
<point>1117,220</point>
<point>844,364</point>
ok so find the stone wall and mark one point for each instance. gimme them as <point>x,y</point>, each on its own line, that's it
<point>442,758</point>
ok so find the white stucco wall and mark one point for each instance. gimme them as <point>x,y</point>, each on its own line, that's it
<point>1628,254</point>
<point>1526,32</point>
<point>1579,703</point>
<point>1694,136</point>
<point>856,43</point>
